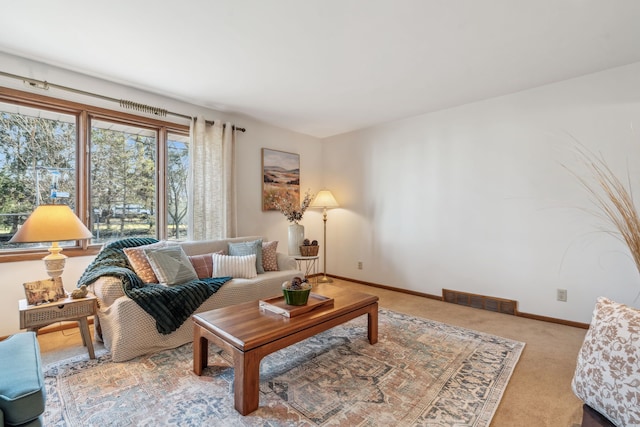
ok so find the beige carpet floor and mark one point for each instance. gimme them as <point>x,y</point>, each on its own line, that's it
<point>539,393</point>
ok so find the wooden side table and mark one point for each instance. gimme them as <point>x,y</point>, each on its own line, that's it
<point>310,264</point>
<point>34,317</point>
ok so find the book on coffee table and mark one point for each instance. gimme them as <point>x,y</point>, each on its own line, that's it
<point>277,305</point>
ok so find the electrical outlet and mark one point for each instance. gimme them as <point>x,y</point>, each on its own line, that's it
<point>562,295</point>
<point>359,265</point>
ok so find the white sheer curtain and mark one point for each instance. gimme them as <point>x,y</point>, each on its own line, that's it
<point>212,193</point>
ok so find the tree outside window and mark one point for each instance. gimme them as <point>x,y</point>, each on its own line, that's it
<point>177,171</point>
<point>123,188</point>
<point>37,161</point>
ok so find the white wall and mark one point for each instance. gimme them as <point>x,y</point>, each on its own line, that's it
<point>251,219</point>
<point>475,198</point>
<point>472,198</point>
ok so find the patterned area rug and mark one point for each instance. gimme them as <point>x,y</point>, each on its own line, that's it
<point>420,373</point>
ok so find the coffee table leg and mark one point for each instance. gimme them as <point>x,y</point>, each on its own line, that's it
<point>200,351</point>
<point>246,382</point>
<point>372,318</point>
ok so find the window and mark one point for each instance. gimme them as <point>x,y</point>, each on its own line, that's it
<point>37,162</point>
<point>124,177</point>
<point>123,188</point>
<point>177,168</point>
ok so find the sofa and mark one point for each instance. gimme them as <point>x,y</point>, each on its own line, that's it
<point>22,389</point>
<point>128,331</point>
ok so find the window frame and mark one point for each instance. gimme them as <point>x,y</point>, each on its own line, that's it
<point>84,113</point>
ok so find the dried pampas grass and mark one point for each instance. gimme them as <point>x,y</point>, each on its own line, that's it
<point>613,199</point>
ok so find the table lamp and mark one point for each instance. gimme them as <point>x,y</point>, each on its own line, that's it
<point>52,223</point>
<point>325,200</point>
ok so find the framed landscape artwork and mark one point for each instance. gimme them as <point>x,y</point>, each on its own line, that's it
<point>280,177</point>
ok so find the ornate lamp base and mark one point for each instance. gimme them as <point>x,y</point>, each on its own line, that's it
<point>54,262</point>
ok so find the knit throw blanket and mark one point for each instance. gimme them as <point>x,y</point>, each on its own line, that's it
<point>170,306</point>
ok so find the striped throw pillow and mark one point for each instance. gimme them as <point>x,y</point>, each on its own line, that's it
<point>243,266</point>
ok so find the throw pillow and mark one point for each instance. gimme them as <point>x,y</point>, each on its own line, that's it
<point>243,266</point>
<point>203,264</point>
<point>171,265</point>
<point>248,248</point>
<point>269,256</point>
<point>607,377</point>
<point>140,263</point>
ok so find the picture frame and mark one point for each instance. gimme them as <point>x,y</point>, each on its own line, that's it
<point>280,177</point>
<point>44,291</point>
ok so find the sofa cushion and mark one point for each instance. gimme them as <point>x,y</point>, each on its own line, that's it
<point>203,264</point>
<point>140,263</point>
<point>22,390</point>
<point>171,265</point>
<point>249,248</point>
<point>270,256</point>
<point>235,266</point>
<point>198,247</point>
<point>607,377</point>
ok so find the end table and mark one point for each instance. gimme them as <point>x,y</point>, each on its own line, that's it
<point>310,264</point>
<point>34,317</point>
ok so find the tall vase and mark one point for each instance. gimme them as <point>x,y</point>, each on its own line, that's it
<point>296,238</point>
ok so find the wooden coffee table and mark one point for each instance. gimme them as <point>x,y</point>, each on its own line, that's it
<point>249,333</point>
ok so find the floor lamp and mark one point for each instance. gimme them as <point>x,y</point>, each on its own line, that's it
<point>325,200</point>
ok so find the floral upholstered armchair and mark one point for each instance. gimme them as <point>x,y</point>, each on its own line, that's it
<point>607,376</point>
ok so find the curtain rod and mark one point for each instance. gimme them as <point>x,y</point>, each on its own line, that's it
<point>43,84</point>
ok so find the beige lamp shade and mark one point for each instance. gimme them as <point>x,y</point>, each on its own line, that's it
<point>324,199</point>
<point>52,223</point>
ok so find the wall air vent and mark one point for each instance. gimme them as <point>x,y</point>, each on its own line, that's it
<point>499,305</point>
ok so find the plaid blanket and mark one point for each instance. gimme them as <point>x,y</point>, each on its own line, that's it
<point>170,306</point>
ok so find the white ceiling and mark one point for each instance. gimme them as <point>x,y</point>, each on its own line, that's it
<point>324,67</point>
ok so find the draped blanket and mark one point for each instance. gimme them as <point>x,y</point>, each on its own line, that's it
<point>170,306</point>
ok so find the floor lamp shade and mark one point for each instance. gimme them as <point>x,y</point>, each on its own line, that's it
<point>325,200</point>
<point>52,223</point>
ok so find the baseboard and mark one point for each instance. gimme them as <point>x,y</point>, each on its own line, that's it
<point>554,320</point>
<point>390,288</point>
<point>62,326</point>
<point>57,327</point>
<point>439,298</point>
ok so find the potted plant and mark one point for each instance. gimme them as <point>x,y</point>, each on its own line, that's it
<point>296,291</point>
<point>288,206</point>
<point>614,201</point>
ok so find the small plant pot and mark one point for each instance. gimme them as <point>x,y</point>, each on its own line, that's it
<point>296,297</point>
